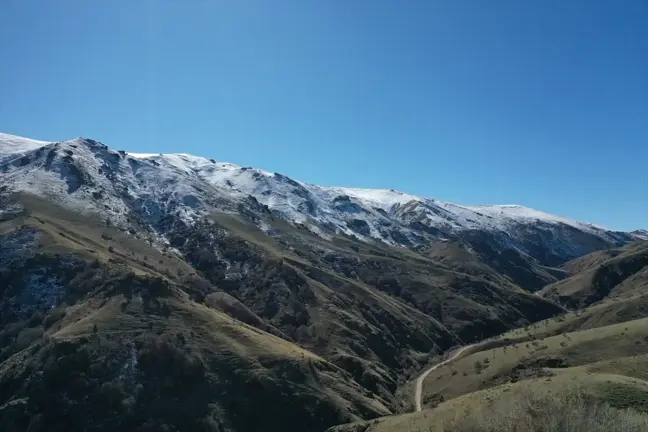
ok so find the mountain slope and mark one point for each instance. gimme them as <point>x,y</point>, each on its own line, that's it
<point>121,361</point>
<point>571,357</point>
<point>137,192</point>
<point>92,314</point>
<point>88,175</point>
<point>371,335</point>
<point>12,146</point>
<point>619,272</point>
<point>326,300</point>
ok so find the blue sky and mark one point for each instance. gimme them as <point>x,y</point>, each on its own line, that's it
<point>540,103</point>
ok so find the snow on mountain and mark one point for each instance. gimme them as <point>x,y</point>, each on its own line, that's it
<point>15,146</point>
<point>88,176</point>
<point>641,234</point>
<point>387,215</point>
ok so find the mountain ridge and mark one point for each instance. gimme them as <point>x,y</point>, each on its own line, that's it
<point>377,196</point>
<point>389,216</point>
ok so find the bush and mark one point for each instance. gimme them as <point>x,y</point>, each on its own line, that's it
<point>36,319</point>
<point>54,316</point>
<point>27,337</point>
<point>570,412</point>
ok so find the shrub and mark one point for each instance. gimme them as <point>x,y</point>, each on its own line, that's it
<point>36,319</point>
<point>573,411</point>
<point>54,316</point>
<point>28,336</point>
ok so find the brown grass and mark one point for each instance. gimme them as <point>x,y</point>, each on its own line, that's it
<point>580,404</point>
<point>525,360</point>
<point>571,412</point>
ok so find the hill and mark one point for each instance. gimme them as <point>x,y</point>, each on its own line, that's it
<point>612,273</point>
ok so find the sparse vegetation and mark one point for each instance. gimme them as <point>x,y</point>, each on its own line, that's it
<point>228,320</point>
<point>572,412</point>
<point>535,405</point>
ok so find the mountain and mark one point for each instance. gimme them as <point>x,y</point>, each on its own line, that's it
<point>583,370</point>
<point>640,234</point>
<point>88,176</point>
<point>130,282</point>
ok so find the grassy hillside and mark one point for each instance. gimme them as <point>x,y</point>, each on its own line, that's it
<point>100,331</point>
<point>528,359</point>
<point>600,275</point>
<point>528,376</point>
<point>602,314</point>
<point>596,403</point>
<point>124,360</point>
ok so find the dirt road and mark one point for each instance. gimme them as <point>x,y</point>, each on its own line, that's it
<point>419,381</point>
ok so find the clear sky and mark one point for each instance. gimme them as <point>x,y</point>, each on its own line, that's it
<point>540,103</point>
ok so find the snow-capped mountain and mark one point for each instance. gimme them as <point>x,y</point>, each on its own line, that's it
<point>641,234</point>
<point>143,189</point>
<point>13,146</point>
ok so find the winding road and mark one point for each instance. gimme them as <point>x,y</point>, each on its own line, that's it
<point>419,381</point>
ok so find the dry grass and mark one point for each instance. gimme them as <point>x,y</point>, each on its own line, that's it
<point>577,405</point>
<point>88,237</point>
<point>619,272</point>
<point>571,412</point>
<point>634,366</point>
<point>496,366</point>
<point>237,359</point>
<point>602,314</point>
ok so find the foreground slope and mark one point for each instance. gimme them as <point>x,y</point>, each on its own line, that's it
<point>365,307</point>
<point>520,380</point>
